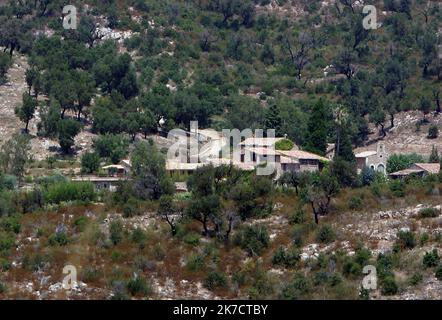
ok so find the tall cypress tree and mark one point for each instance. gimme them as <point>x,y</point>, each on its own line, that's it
<point>346,148</point>
<point>316,140</point>
<point>273,119</point>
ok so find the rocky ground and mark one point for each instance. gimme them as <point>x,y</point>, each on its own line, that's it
<point>404,136</point>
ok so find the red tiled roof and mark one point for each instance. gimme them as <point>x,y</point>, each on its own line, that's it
<point>432,168</point>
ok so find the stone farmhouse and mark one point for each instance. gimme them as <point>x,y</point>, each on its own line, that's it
<point>417,170</point>
<point>375,159</point>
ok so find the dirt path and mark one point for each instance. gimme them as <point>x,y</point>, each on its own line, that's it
<point>10,96</point>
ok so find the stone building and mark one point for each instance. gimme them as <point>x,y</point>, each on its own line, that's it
<point>375,159</point>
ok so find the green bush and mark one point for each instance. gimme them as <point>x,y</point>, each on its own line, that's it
<point>397,162</point>
<point>433,132</point>
<point>192,239</point>
<point>90,274</point>
<point>406,239</point>
<point>116,232</point>
<point>5,265</point>
<point>138,286</point>
<point>325,234</point>
<point>298,287</point>
<point>2,288</point>
<point>284,145</point>
<point>438,273</point>
<point>253,239</point>
<point>429,213</point>
<point>81,222</point>
<point>70,191</point>
<point>299,232</point>
<point>90,162</point>
<point>131,208</point>
<point>139,237</point>
<point>6,242</point>
<point>11,224</point>
<point>59,238</point>
<point>355,203</point>
<point>397,187</point>
<point>389,286</point>
<point>415,279</point>
<point>287,258</point>
<point>215,279</point>
<point>195,262</point>
<point>298,217</point>
<point>431,259</point>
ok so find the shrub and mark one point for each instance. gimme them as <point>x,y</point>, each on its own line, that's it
<point>2,288</point>
<point>112,146</point>
<point>415,279</point>
<point>195,262</point>
<point>284,145</point>
<point>389,286</point>
<point>192,239</point>
<point>5,265</point>
<point>367,176</point>
<point>433,132</point>
<point>11,224</point>
<point>299,286</point>
<point>81,222</point>
<point>70,191</point>
<point>397,162</point>
<point>298,217</point>
<point>355,203</point>
<point>90,274</point>
<point>406,239</point>
<point>431,259</point>
<point>287,258</point>
<point>131,208</point>
<point>253,239</point>
<point>362,256</point>
<point>59,238</point>
<point>429,213</point>
<point>6,242</point>
<point>139,237</point>
<point>90,162</point>
<point>8,182</point>
<point>397,187</point>
<point>138,286</point>
<point>438,273</point>
<point>215,279</point>
<point>116,232</point>
<point>424,238</point>
<point>325,234</point>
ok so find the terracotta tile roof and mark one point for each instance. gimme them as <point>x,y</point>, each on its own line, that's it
<point>365,154</point>
<point>406,172</point>
<point>303,155</point>
<point>263,151</point>
<point>261,142</point>
<point>432,168</point>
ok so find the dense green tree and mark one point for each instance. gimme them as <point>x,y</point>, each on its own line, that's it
<point>317,129</point>
<point>90,162</point>
<point>5,63</point>
<point>67,130</point>
<point>25,112</point>
<point>14,155</point>
<point>113,147</point>
<point>150,180</point>
<point>434,156</point>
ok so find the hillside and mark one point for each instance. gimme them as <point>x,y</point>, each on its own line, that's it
<point>85,182</point>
